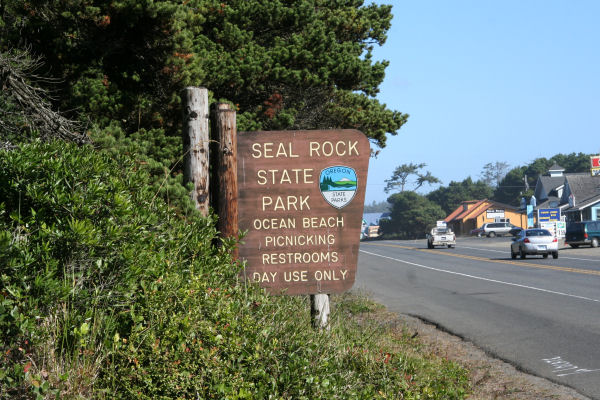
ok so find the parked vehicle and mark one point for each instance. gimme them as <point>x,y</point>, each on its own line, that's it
<point>583,233</point>
<point>477,232</point>
<point>515,231</point>
<point>534,241</point>
<point>497,228</point>
<point>440,236</point>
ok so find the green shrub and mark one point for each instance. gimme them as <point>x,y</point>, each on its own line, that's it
<point>108,293</point>
<point>155,152</point>
<point>81,234</point>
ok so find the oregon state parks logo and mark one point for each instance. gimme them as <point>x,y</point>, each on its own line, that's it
<point>338,185</point>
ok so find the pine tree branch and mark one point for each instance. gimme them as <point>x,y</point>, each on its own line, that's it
<point>17,70</point>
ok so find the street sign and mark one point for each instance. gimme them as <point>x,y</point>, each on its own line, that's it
<point>550,226</point>
<point>301,198</point>
<point>549,215</point>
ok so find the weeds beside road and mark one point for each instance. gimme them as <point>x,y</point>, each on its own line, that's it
<point>488,377</point>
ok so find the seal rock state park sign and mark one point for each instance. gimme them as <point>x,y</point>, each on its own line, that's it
<point>301,197</point>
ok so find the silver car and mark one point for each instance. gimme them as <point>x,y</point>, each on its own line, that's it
<point>534,241</point>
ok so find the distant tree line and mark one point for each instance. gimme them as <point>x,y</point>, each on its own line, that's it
<point>413,214</point>
<point>377,207</point>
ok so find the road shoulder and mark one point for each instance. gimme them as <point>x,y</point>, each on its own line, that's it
<point>490,377</point>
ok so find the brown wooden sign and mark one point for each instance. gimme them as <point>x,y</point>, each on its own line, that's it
<point>301,197</point>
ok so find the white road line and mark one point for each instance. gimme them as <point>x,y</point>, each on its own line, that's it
<point>482,278</point>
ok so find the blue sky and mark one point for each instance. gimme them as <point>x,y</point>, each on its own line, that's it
<point>487,81</point>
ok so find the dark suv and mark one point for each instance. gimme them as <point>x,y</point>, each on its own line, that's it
<point>583,233</point>
<point>497,228</point>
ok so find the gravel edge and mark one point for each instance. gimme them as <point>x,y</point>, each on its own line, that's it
<point>490,377</point>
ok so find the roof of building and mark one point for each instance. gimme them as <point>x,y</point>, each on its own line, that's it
<point>547,185</point>
<point>550,202</point>
<point>492,204</point>
<point>556,167</point>
<point>585,188</point>
<point>588,202</point>
<point>459,210</point>
<point>478,208</point>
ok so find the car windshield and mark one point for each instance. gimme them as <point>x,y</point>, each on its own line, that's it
<point>538,232</point>
<point>441,230</point>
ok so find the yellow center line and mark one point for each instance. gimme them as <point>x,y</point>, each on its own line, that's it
<point>517,263</point>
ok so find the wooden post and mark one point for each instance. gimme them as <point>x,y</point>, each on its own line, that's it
<point>319,311</point>
<point>195,144</point>
<point>224,167</point>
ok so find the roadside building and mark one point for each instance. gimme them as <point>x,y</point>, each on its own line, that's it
<point>472,214</point>
<point>577,195</point>
<point>580,200</point>
<point>549,188</point>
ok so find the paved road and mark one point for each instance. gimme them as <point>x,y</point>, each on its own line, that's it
<point>542,315</point>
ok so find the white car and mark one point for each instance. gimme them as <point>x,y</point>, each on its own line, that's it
<point>493,229</point>
<point>441,236</point>
<point>534,241</point>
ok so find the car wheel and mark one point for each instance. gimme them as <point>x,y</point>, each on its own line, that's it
<point>594,242</point>
<point>513,255</point>
<point>492,234</point>
<point>555,255</point>
<point>574,245</point>
<point>545,255</point>
<point>522,254</point>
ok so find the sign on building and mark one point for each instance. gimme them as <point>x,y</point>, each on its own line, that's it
<point>493,214</point>
<point>595,161</point>
<point>301,198</point>
<point>550,226</point>
<point>561,229</point>
<point>548,214</point>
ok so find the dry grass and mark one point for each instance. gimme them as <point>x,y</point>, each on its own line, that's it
<point>72,374</point>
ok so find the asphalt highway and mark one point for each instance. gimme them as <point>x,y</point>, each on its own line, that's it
<point>541,315</point>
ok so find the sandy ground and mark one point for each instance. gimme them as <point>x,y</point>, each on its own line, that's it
<point>490,378</point>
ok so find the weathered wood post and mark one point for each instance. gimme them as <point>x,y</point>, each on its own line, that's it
<point>195,144</point>
<point>224,167</point>
<point>319,311</point>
